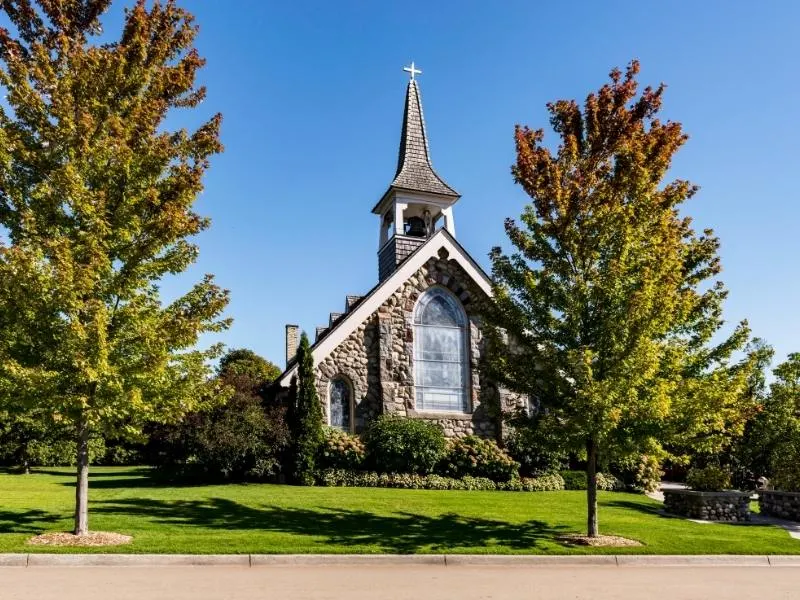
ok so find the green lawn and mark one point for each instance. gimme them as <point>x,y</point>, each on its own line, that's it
<point>283,519</point>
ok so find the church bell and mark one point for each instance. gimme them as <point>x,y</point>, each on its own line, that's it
<point>416,227</point>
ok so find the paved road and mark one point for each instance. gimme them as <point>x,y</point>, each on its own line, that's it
<point>400,582</point>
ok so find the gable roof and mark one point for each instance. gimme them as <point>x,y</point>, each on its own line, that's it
<point>349,322</point>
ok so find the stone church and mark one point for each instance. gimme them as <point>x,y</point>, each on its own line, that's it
<point>412,345</point>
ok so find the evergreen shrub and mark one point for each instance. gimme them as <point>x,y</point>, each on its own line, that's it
<point>401,445</point>
<point>574,480</point>
<point>305,420</point>
<point>535,448</point>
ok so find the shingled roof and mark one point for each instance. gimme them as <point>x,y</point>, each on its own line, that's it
<point>414,170</point>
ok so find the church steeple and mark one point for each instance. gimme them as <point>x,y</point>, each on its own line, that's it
<point>414,169</point>
<point>417,199</point>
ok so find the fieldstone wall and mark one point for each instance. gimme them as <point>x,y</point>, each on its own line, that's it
<point>377,358</point>
<point>785,505</point>
<point>711,506</point>
<point>355,360</point>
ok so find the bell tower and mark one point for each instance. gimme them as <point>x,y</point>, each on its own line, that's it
<point>418,201</point>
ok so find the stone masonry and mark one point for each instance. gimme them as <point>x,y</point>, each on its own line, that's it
<point>711,506</point>
<point>377,358</point>
<point>785,505</point>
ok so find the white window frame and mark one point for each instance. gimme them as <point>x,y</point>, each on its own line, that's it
<point>464,326</point>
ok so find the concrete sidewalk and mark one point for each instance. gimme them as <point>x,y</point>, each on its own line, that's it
<point>417,582</point>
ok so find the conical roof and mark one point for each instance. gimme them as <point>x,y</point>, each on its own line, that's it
<point>414,169</point>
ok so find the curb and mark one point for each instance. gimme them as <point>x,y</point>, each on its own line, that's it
<point>261,560</point>
<point>137,560</point>
<point>530,560</point>
<point>685,560</point>
<point>442,560</point>
<point>13,560</point>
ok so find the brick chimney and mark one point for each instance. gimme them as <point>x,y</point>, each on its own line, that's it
<point>292,339</point>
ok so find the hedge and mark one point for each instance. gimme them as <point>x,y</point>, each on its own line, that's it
<point>347,478</point>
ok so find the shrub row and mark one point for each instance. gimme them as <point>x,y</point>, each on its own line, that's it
<point>394,445</point>
<point>576,480</point>
<point>413,453</point>
<point>415,481</point>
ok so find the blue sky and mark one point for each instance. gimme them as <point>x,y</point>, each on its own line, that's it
<point>312,96</point>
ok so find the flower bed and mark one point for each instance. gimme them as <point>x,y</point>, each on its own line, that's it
<point>729,506</point>
<point>776,503</point>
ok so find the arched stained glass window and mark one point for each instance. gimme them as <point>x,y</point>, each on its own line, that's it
<point>440,345</point>
<point>340,404</point>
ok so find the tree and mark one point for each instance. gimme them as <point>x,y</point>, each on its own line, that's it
<point>239,438</point>
<point>609,302</point>
<point>748,455</point>
<point>247,362</point>
<point>305,416</point>
<point>781,425</point>
<point>21,432</point>
<point>96,196</point>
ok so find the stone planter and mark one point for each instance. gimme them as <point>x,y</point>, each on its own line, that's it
<point>731,506</point>
<point>775,503</point>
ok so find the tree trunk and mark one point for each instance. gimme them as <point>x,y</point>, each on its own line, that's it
<point>82,486</point>
<point>591,487</point>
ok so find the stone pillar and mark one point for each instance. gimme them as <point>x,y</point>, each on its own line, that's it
<point>292,339</point>
<point>385,363</point>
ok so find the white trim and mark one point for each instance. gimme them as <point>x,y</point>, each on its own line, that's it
<point>413,197</point>
<point>350,322</point>
<point>465,358</point>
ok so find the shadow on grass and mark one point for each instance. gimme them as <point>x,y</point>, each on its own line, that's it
<point>127,473</point>
<point>647,509</point>
<point>141,477</point>
<point>401,532</point>
<point>26,521</point>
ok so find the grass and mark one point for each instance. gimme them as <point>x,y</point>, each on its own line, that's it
<point>260,518</point>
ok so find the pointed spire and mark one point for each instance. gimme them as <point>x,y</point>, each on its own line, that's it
<point>414,169</point>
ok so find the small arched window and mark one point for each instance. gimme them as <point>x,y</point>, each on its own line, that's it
<point>440,348</point>
<point>340,404</point>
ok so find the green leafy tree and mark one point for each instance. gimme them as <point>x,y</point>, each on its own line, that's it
<point>609,302</point>
<point>748,456</point>
<point>781,426</point>
<point>96,195</point>
<point>247,362</point>
<point>306,416</point>
<point>21,431</point>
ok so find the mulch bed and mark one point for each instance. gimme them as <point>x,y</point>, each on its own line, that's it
<point>599,540</point>
<point>93,538</point>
